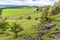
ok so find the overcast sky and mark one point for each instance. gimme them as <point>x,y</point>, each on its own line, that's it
<point>28,2</point>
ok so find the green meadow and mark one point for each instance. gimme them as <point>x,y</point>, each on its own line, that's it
<point>12,12</point>
<point>28,18</point>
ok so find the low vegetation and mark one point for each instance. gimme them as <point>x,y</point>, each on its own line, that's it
<point>31,23</point>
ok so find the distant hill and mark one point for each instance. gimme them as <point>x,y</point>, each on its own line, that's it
<point>14,6</point>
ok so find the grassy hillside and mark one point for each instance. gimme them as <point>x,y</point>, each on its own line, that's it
<point>33,22</point>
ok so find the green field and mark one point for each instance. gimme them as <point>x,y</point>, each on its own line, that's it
<point>28,18</point>
<point>12,12</point>
<point>28,25</point>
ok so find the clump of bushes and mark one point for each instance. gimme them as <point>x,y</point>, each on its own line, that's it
<point>36,18</point>
<point>29,17</point>
<point>20,17</point>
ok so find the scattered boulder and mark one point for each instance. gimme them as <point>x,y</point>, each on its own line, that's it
<point>56,35</point>
<point>36,38</point>
<point>30,37</point>
<point>48,26</point>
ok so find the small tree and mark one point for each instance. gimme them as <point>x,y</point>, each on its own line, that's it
<point>3,25</point>
<point>16,28</point>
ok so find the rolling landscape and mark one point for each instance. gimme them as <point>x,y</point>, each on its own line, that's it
<point>30,22</point>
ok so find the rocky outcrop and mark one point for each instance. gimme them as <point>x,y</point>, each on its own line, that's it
<point>48,26</point>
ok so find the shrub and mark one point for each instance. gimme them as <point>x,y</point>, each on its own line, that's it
<point>36,18</point>
<point>20,17</point>
<point>16,28</point>
<point>3,25</point>
<point>29,17</point>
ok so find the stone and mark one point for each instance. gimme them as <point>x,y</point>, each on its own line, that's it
<point>36,38</point>
<point>56,35</point>
<point>29,37</point>
<point>48,26</point>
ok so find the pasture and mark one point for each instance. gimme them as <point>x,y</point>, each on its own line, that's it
<point>27,24</point>
<point>12,12</point>
<point>28,18</point>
